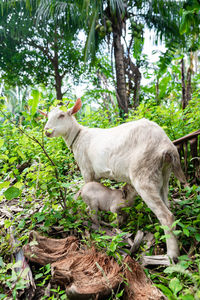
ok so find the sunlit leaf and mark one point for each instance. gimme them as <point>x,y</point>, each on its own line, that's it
<point>175,285</point>
<point>11,193</point>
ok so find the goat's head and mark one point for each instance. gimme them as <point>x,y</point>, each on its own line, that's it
<point>59,122</point>
<point>128,192</point>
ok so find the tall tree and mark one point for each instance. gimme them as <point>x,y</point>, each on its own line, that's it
<point>33,53</point>
<point>190,29</point>
<point>122,23</point>
<point>185,43</point>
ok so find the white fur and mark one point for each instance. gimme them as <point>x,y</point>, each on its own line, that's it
<point>101,198</point>
<point>138,153</point>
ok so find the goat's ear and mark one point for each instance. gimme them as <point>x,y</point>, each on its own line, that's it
<point>76,106</point>
<point>43,113</point>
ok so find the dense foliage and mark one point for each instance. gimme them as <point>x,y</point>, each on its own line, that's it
<point>42,49</point>
<point>36,190</point>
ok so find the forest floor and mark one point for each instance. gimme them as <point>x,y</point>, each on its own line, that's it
<point>19,217</point>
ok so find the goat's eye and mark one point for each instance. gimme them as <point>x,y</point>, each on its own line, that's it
<point>61,116</point>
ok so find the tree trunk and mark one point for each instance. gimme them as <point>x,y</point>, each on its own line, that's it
<point>157,91</point>
<point>57,76</point>
<point>189,79</point>
<point>133,85</point>
<point>189,87</point>
<point>137,80</point>
<point>120,71</point>
<point>184,100</point>
<point>58,85</point>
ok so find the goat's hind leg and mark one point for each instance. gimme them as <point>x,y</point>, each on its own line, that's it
<point>151,195</point>
<point>165,185</point>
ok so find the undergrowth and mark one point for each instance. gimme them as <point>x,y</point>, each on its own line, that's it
<point>34,200</point>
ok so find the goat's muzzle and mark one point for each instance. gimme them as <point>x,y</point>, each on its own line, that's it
<point>48,132</point>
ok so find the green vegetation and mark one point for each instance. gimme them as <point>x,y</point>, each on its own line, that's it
<point>40,67</point>
<point>38,193</point>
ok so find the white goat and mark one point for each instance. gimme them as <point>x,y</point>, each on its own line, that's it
<point>138,153</point>
<point>98,197</point>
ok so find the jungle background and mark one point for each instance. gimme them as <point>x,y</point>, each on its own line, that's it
<point>51,52</point>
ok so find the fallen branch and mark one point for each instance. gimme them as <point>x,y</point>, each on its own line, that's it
<point>137,241</point>
<point>155,260</point>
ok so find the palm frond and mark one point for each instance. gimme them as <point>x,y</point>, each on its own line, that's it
<point>69,12</point>
<point>117,6</point>
<point>90,42</point>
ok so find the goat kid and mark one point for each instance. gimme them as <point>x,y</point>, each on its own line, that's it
<point>101,198</point>
<point>138,153</point>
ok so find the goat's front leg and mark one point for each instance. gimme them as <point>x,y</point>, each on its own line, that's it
<point>94,215</point>
<point>116,209</point>
<point>88,175</point>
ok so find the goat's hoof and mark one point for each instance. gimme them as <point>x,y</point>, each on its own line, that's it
<point>175,260</point>
<point>173,257</point>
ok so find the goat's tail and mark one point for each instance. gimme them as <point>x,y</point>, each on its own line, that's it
<point>172,156</point>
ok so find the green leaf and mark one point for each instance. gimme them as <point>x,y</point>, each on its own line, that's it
<point>175,223</point>
<point>22,223</point>
<point>18,264</point>
<point>4,184</point>
<point>156,234</point>
<point>40,217</point>
<point>11,193</point>
<point>1,142</point>
<point>183,26</point>
<point>1,262</point>
<point>37,276</point>
<point>120,293</point>
<point>187,297</point>
<point>177,232</point>
<point>164,227</point>
<point>197,237</point>
<point>165,236</point>
<point>113,246</point>
<point>34,101</point>
<point>176,268</point>
<point>175,285</point>
<point>63,108</point>
<point>21,154</point>
<point>3,156</point>
<point>7,223</point>
<point>165,290</point>
<point>33,243</point>
<point>12,159</point>
<point>186,232</point>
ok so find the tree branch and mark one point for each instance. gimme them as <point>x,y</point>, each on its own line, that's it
<point>44,50</point>
<point>62,193</point>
